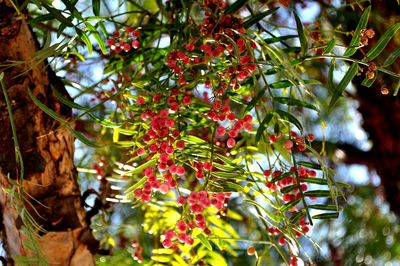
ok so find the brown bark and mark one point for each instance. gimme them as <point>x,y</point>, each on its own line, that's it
<point>50,176</point>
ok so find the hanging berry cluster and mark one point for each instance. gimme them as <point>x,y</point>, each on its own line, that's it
<point>217,57</point>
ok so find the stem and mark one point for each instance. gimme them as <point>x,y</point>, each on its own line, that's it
<point>301,191</point>
<point>384,70</point>
<point>18,153</point>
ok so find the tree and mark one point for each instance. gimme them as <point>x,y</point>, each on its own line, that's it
<point>40,194</point>
<point>204,116</point>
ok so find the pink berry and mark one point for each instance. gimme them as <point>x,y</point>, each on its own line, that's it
<point>135,44</point>
<point>221,131</point>
<point>231,143</point>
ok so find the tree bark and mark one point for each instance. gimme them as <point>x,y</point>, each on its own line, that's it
<point>49,187</point>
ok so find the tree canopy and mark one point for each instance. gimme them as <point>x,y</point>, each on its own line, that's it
<point>208,132</point>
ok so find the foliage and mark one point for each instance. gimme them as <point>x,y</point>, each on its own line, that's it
<point>199,123</point>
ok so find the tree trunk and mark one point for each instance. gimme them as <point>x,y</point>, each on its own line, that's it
<point>49,188</point>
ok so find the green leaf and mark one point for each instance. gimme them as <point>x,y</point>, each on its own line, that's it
<point>71,7</point>
<point>97,36</point>
<point>66,101</point>
<point>289,117</point>
<point>391,57</point>
<point>324,207</point>
<point>368,82</point>
<point>279,39</point>
<point>141,167</point>
<point>104,122</point>
<point>41,18</point>
<point>203,239</point>
<point>254,101</point>
<point>58,15</point>
<point>314,180</point>
<point>302,35</point>
<point>83,139</point>
<point>136,185</point>
<point>310,165</point>
<point>46,109</point>
<point>290,205</point>
<point>318,193</point>
<point>355,41</point>
<point>296,216</point>
<point>333,215</point>
<point>331,85</point>
<point>350,74</point>
<point>85,39</point>
<point>329,47</point>
<point>382,42</point>
<point>96,7</point>
<point>294,102</point>
<point>287,83</point>
<point>235,6</point>
<point>270,215</point>
<point>258,17</point>
<point>230,175</point>
<point>287,189</point>
<point>263,125</point>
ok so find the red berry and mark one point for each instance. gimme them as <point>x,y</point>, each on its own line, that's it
<point>251,251</point>
<point>282,241</point>
<point>231,143</point>
<point>221,131</point>
<point>135,44</point>
<point>180,144</point>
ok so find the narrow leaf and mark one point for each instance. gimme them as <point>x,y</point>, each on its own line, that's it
<point>258,17</point>
<point>136,185</point>
<point>310,165</point>
<point>391,57</point>
<point>302,35</point>
<point>382,42</point>
<point>83,139</point>
<point>294,102</point>
<point>263,125</point>
<point>71,7</point>
<point>288,83</point>
<point>329,47</point>
<point>141,167</point>
<point>318,193</point>
<point>96,7</point>
<point>254,101</point>
<point>290,205</point>
<point>355,41</point>
<point>204,241</point>
<point>58,15</point>
<point>368,82</point>
<point>290,118</point>
<point>66,101</point>
<point>235,6</point>
<point>85,39</point>
<point>314,180</point>
<point>279,39</point>
<point>324,207</point>
<point>46,109</point>
<point>97,36</point>
<point>104,122</point>
<point>333,215</point>
<point>350,74</point>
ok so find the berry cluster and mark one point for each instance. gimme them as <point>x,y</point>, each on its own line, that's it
<point>137,255</point>
<point>124,40</point>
